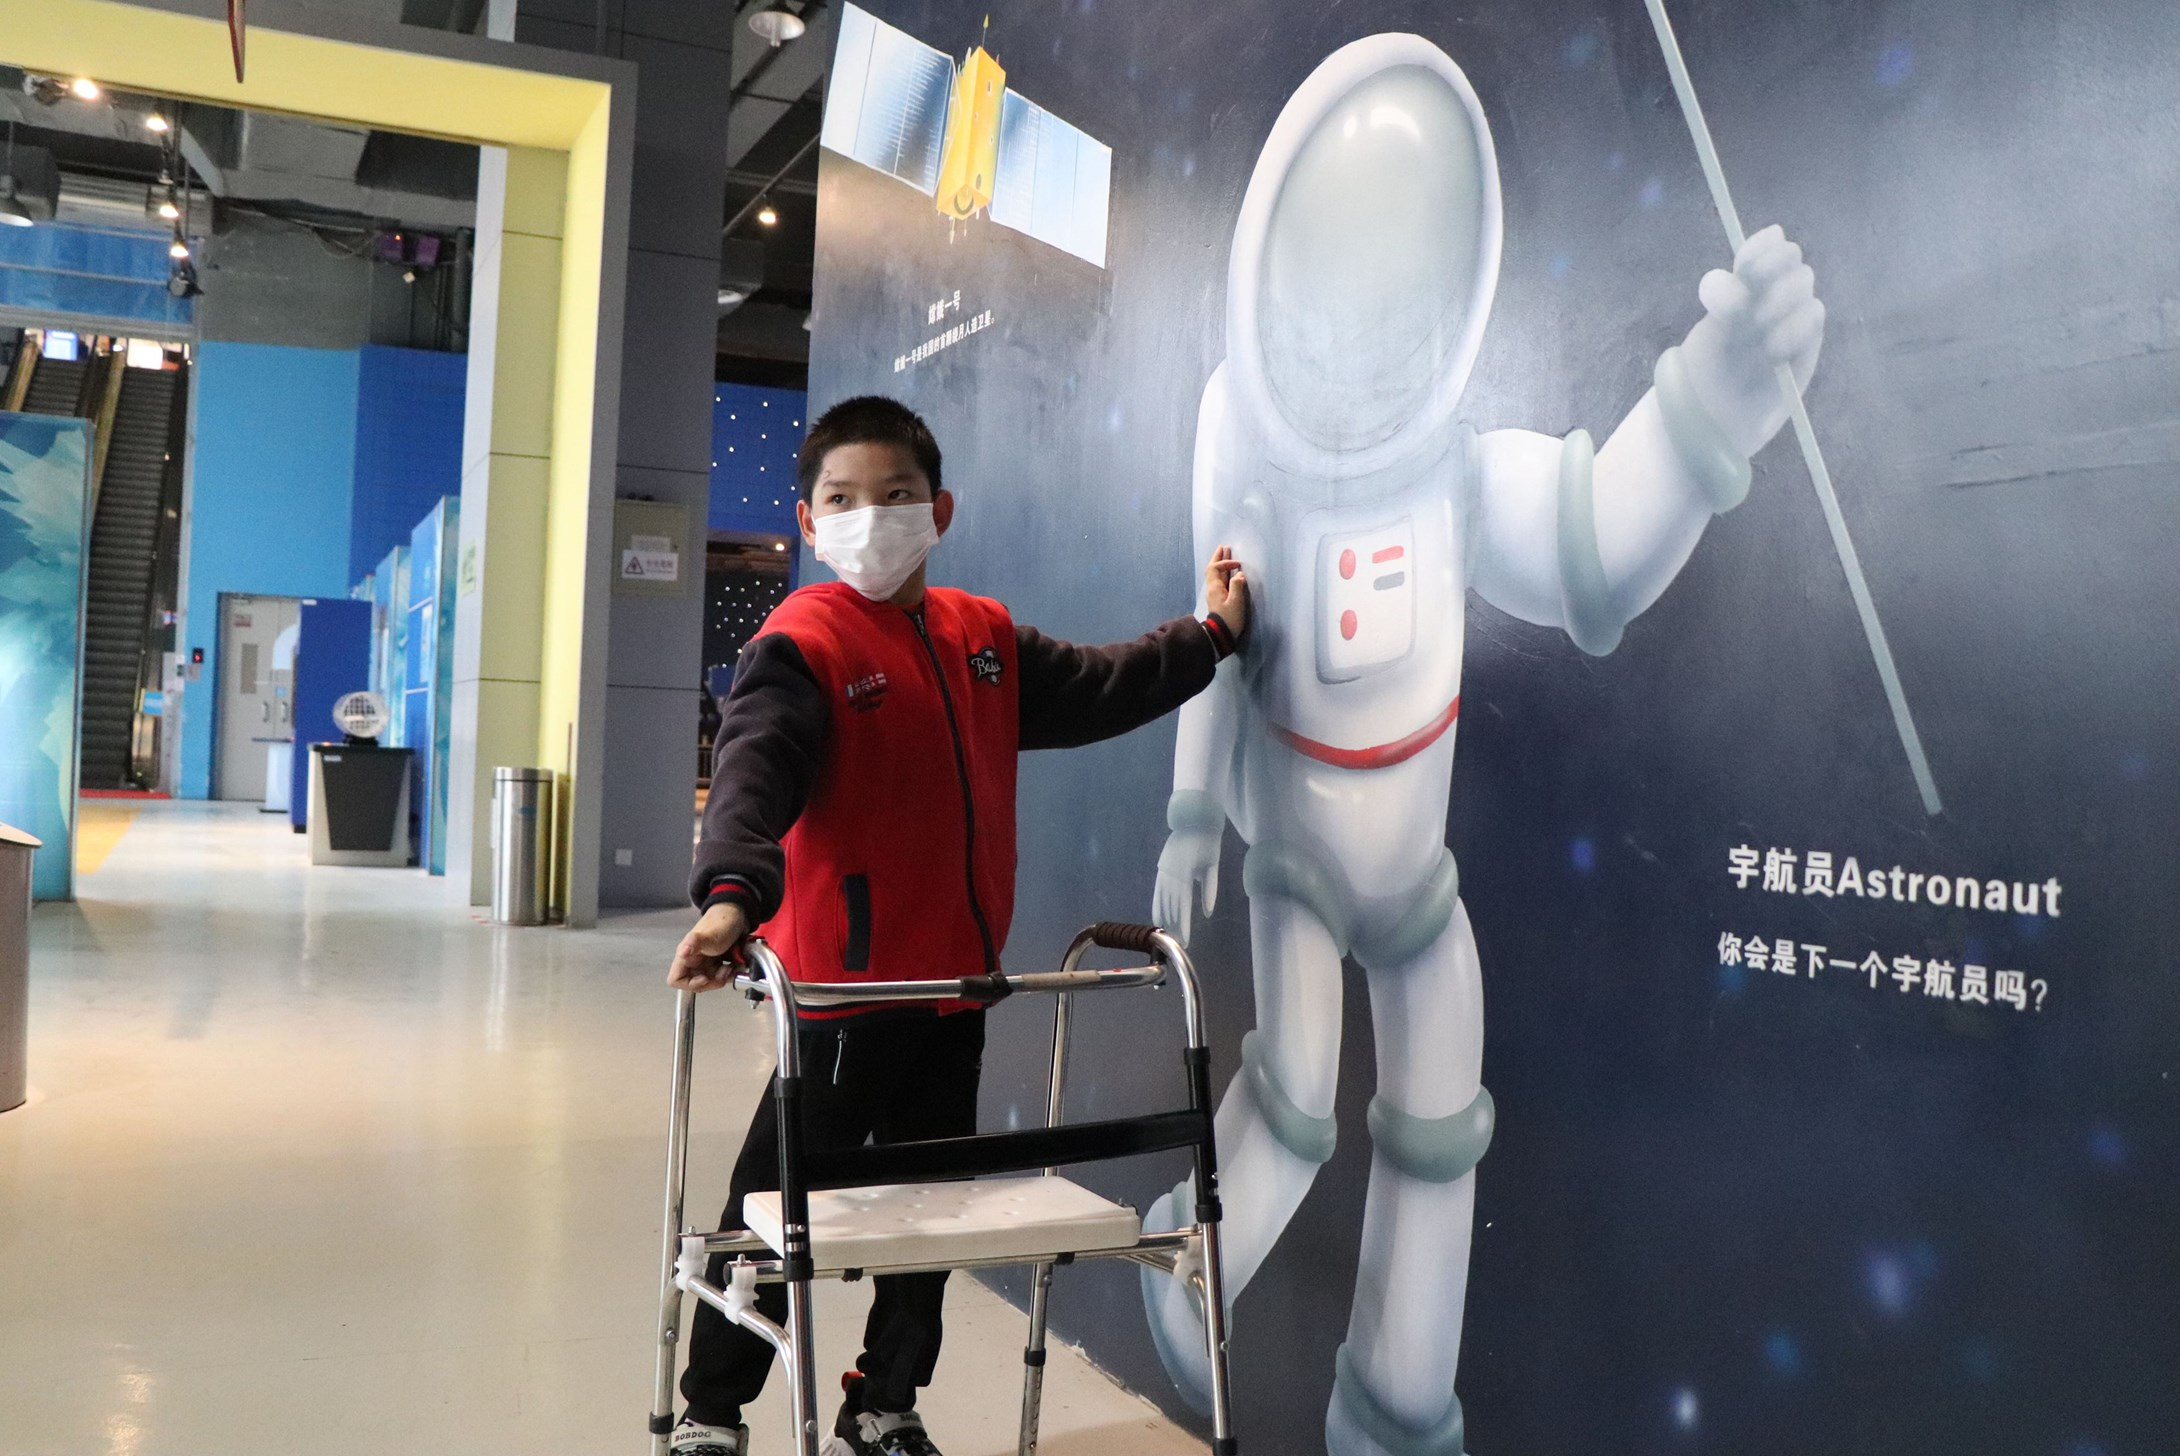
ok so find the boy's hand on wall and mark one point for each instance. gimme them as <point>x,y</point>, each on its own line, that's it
<point>1226,591</point>
<point>708,955</point>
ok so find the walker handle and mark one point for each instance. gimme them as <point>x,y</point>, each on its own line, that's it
<point>1120,935</point>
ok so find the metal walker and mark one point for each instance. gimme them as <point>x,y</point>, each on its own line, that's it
<point>1050,1220</point>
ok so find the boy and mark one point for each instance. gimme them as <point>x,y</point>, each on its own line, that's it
<point>862,814</point>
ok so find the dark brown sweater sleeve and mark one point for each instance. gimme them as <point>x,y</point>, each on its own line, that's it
<point>1075,695</point>
<point>764,763</point>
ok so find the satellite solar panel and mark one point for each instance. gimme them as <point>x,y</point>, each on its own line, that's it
<point>1054,180</point>
<point>886,105</point>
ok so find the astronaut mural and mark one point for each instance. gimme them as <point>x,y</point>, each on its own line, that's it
<point>1824,1114</point>
<point>1331,452</point>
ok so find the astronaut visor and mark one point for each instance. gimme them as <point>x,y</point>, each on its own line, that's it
<point>1372,259</point>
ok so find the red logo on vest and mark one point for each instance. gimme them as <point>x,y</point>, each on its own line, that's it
<point>866,693</point>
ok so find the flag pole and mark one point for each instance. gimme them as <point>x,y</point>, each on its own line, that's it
<point>1819,474</point>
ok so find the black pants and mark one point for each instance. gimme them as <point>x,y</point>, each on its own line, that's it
<point>887,1077</point>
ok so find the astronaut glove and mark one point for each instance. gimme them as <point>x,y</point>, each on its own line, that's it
<point>1762,314</point>
<point>1187,866</point>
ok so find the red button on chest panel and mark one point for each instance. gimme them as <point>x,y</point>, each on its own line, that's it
<point>1366,595</point>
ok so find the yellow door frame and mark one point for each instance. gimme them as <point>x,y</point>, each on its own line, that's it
<point>540,452</point>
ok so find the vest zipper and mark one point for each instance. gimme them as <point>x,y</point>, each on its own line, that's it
<point>968,798</point>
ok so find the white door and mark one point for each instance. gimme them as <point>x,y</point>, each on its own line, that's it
<point>257,702</point>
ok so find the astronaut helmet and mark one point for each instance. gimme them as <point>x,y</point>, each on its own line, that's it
<point>1365,259</point>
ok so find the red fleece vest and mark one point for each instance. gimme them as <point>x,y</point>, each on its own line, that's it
<point>901,867</point>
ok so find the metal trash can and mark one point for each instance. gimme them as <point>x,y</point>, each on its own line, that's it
<point>522,844</point>
<point>17,851</point>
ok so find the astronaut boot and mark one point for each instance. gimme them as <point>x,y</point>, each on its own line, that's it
<point>1175,1312</point>
<point>1392,1392</point>
<point>1356,1424</point>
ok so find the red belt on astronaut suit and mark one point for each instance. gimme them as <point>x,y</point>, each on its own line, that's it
<point>1384,755</point>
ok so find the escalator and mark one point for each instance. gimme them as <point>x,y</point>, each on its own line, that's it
<point>126,540</point>
<point>56,387</point>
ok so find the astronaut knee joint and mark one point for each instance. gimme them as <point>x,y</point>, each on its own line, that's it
<point>1433,1149</point>
<point>1312,1139</point>
<point>1280,871</point>
<point>1420,924</point>
<point>1585,596</point>
<point>1444,1437</point>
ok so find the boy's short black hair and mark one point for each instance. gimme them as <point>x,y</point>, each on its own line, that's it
<point>868,419</point>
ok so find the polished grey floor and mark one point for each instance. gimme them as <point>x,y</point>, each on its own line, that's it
<point>317,1162</point>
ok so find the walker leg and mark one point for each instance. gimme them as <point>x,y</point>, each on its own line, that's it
<point>1222,1405</point>
<point>803,1371</point>
<point>677,1174</point>
<point>1033,1360</point>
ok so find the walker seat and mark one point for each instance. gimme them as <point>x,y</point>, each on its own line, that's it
<point>934,1225</point>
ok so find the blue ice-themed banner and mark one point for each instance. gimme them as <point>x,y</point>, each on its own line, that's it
<point>389,593</point>
<point>428,692</point>
<point>44,520</point>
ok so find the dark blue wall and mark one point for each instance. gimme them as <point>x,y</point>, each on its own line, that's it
<point>1725,1211</point>
<point>755,434</point>
<point>332,660</point>
<point>408,445</point>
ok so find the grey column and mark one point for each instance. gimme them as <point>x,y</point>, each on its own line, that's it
<point>685,57</point>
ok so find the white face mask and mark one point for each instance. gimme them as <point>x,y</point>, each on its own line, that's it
<point>878,548</point>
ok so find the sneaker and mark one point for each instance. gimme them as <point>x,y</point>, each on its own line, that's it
<point>693,1439</point>
<point>869,1433</point>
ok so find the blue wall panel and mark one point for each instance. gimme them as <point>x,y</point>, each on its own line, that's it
<point>408,445</point>
<point>80,272</point>
<point>271,488</point>
<point>332,660</point>
<point>755,434</point>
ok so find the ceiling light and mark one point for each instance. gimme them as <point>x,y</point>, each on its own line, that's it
<point>767,217</point>
<point>178,250</point>
<point>777,23</point>
<point>156,121</point>
<point>168,210</point>
<point>85,89</point>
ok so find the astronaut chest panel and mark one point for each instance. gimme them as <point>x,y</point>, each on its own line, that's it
<point>1367,590</point>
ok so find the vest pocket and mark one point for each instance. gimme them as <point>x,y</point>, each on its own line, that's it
<point>855,900</point>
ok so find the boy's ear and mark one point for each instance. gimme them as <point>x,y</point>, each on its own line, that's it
<point>942,510</point>
<point>804,519</point>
